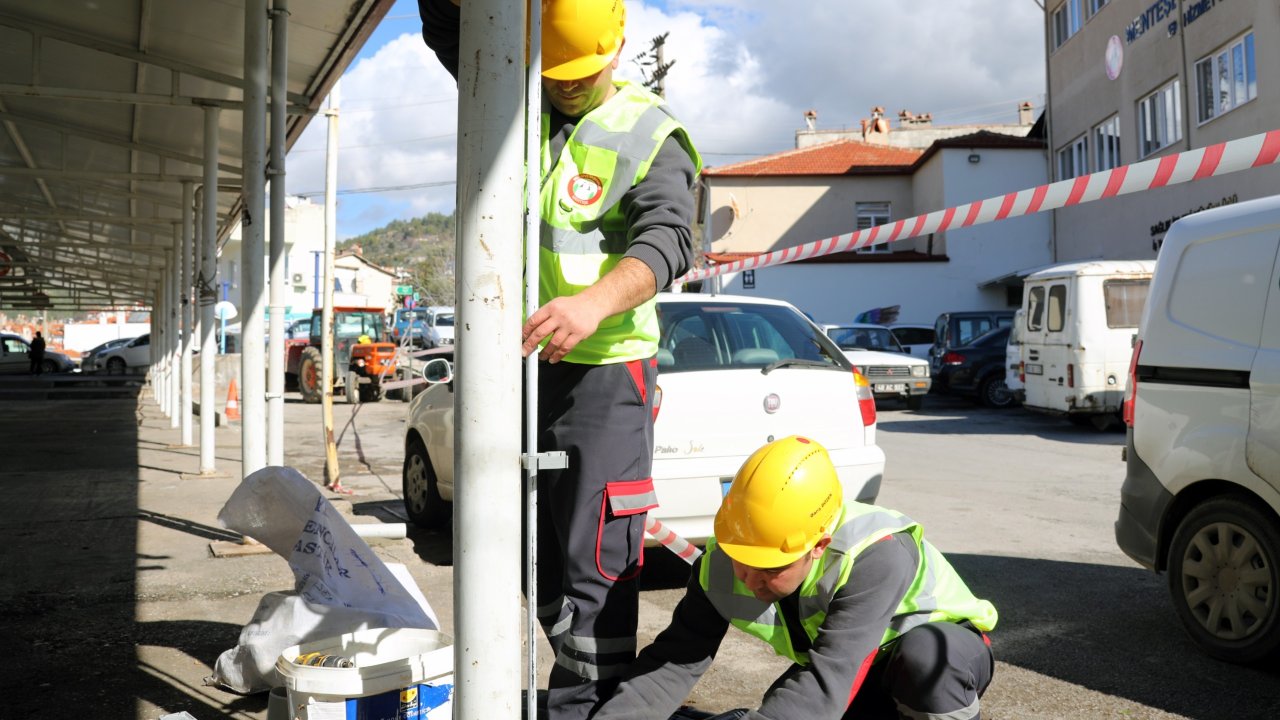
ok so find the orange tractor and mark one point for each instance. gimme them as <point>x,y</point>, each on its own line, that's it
<point>363,358</point>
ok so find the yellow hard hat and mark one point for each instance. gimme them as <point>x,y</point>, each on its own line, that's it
<point>580,37</point>
<point>783,500</point>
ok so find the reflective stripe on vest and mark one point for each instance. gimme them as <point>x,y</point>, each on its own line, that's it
<point>583,232</point>
<point>937,593</point>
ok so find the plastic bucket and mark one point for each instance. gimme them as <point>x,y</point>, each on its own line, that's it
<point>395,674</point>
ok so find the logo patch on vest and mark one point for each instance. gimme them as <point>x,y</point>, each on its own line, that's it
<point>585,189</point>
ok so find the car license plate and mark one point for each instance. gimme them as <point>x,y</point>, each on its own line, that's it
<point>1033,369</point>
<point>725,482</point>
<point>890,387</point>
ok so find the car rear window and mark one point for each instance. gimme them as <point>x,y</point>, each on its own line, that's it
<point>714,335</point>
<point>913,336</point>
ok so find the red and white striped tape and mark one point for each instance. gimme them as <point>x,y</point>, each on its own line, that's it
<point>667,538</point>
<point>1213,161</point>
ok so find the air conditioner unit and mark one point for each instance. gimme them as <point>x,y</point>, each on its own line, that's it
<point>298,279</point>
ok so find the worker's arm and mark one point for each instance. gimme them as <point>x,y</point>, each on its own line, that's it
<point>849,638</point>
<point>659,212</point>
<point>661,678</point>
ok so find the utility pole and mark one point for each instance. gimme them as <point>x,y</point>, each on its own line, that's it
<point>652,66</point>
<point>332,480</point>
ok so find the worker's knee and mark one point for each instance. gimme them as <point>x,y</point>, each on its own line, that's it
<point>939,667</point>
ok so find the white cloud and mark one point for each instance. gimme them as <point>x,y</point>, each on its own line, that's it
<point>745,71</point>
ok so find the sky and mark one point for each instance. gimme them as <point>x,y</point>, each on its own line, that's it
<point>745,72</point>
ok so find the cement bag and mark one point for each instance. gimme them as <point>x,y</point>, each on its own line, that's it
<point>340,585</point>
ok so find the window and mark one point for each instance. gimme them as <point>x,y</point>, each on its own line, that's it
<point>913,336</point>
<point>1160,118</point>
<point>1073,160</point>
<point>871,214</point>
<point>1096,5</point>
<point>1066,22</point>
<point>1125,300</point>
<point>1226,79</point>
<point>1035,308</point>
<point>1057,307</point>
<point>703,336</point>
<point>1106,145</point>
<point>969,328</point>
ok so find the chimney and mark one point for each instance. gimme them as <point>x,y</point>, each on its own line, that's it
<point>876,129</point>
<point>1025,114</point>
<point>811,119</point>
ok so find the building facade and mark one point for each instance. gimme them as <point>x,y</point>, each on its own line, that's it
<point>1133,80</point>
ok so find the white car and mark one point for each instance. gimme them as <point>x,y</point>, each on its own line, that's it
<point>440,318</point>
<point>875,351</point>
<point>733,373</point>
<point>136,353</point>
<point>915,339</point>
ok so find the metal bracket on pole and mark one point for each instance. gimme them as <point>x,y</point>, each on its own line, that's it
<point>556,460</point>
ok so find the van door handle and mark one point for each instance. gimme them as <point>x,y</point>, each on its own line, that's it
<point>1033,354</point>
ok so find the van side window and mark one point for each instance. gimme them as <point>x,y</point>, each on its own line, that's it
<point>1057,307</point>
<point>1035,308</point>
<point>1125,300</point>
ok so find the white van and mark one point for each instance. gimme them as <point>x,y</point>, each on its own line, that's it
<point>1201,494</point>
<point>1078,325</point>
<point>1013,357</point>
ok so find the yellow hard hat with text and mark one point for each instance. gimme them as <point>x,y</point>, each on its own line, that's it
<point>580,37</point>
<point>783,500</point>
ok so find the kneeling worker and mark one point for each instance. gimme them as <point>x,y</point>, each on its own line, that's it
<point>875,619</point>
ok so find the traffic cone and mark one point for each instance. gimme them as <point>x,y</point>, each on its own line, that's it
<point>233,402</point>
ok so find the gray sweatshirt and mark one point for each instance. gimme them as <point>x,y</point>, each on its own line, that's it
<point>847,643</point>
<point>659,209</point>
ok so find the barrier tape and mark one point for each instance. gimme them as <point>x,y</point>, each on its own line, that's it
<point>667,538</point>
<point>1188,166</point>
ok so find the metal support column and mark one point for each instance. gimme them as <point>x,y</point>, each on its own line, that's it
<point>159,338</point>
<point>208,289</point>
<point>173,345</point>
<point>275,337</point>
<point>487,535</point>
<point>253,455</point>
<point>188,322</point>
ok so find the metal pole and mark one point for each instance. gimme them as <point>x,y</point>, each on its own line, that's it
<point>173,344</point>
<point>188,314</point>
<point>160,338</point>
<point>532,216</point>
<point>153,369</point>
<point>208,294</point>
<point>275,340</point>
<point>487,535</point>
<point>331,474</point>
<point>253,455</point>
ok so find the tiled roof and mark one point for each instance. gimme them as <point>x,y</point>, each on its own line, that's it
<point>841,157</point>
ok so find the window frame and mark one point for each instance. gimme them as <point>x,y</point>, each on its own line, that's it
<point>1056,308</point>
<point>1077,153</point>
<point>1106,154</point>
<point>1066,21</point>
<point>1241,75</point>
<point>870,212</point>
<point>1155,107</point>
<point>1093,7</point>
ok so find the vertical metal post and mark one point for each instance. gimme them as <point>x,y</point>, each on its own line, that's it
<point>160,338</point>
<point>275,339</point>
<point>188,314</point>
<point>153,368</point>
<point>173,344</point>
<point>207,292</point>
<point>332,477</point>
<point>487,535</point>
<point>532,217</point>
<point>253,455</point>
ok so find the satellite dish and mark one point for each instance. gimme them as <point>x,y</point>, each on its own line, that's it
<point>225,310</point>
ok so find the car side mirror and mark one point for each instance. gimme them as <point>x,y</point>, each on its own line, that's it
<point>437,371</point>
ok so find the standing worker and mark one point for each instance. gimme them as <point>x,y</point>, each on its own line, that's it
<point>874,618</point>
<point>37,354</point>
<point>616,207</point>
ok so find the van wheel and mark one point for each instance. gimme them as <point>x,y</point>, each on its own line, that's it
<point>995,394</point>
<point>1224,578</point>
<point>422,501</point>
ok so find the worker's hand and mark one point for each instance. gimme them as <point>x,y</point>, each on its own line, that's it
<point>566,320</point>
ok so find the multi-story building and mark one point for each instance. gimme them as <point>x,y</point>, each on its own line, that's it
<point>1132,80</point>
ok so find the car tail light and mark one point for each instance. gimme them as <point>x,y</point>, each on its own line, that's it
<point>953,358</point>
<point>1131,392</point>
<point>1071,375</point>
<point>657,400</point>
<point>866,401</point>
<point>1022,372</point>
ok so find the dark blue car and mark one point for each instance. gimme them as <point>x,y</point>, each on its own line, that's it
<point>976,369</point>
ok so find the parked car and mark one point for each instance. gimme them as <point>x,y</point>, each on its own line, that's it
<point>89,358</point>
<point>134,354</point>
<point>411,327</point>
<point>914,339</point>
<point>1079,323</point>
<point>732,372</point>
<point>15,357</point>
<point>875,352</point>
<point>440,318</point>
<point>1201,493</point>
<point>977,369</point>
<point>1013,359</point>
<point>954,329</point>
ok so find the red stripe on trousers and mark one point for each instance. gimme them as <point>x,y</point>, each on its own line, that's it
<point>862,675</point>
<point>637,375</point>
